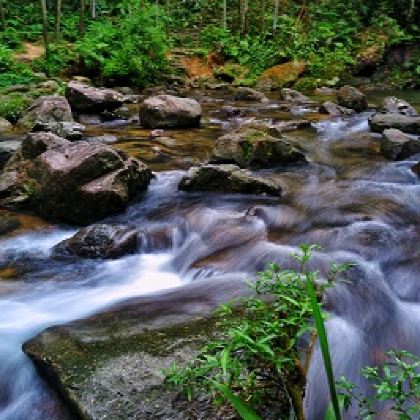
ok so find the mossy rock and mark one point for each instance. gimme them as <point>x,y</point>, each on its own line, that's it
<point>281,75</point>
<point>231,73</point>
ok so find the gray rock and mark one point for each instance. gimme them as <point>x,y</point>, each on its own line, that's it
<point>167,111</point>
<point>248,94</point>
<point>100,241</point>
<point>335,110</point>
<point>350,97</point>
<point>78,182</point>
<point>227,179</point>
<point>89,99</point>
<point>5,125</point>
<point>7,149</point>
<point>290,95</point>
<point>48,110</point>
<point>280,127</point>
<point>396,145</point>
<point>252,148</point>
<point>69,130</point>
<point>380,122</point>
<point>393,105</point>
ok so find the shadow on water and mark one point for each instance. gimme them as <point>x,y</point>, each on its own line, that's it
<point>359,207</point>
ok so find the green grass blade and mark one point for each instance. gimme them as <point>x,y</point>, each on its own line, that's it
<point>323,341</point>
<point>246,412</point>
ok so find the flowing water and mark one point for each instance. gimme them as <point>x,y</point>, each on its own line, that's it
<point>359,207</point>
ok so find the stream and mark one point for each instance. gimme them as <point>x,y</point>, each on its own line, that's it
<point>358,206</point>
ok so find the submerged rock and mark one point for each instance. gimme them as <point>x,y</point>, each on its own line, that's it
<point>248,94</point>
<point>47,110</point>
<point>396,145</point>
<point>255,148</point>
<point>380,122</point>
<point>77,182</point>
<point>100,241</point>
<point>8,224</point>
<point>393,105</point>
<point>167,111</point>
<point>89,99</point>
<point>227,179</point>
<point>290,95</point>
<point>350,97</point>
<point>335,110</point>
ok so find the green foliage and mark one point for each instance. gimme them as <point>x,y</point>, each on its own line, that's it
<point>12,72</point>
<point>131,50</point>
<point>257,355</point>
<point>13,106</point>
<point>397,382</point>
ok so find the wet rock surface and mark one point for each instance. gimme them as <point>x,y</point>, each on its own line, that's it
<point>68,130</point>
<point>77,182</point>
<point>252,148</point>
<point>335,110</point>
<point>100,241</point>
<point>350,97</point>
<point>227,179</point>
<point>396,145</point>
<point>110,365</point>
<point>89,99</point>
<point>248,94</point>
<point>380,122</point>
<point>394,105</point>
<point>167,111</point>
<point>47,110</point>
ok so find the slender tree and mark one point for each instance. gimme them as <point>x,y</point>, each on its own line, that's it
<point>243,11</point>
<point>262,11</point>
<point>275,15</point>
<point>93,9</point>
<point>43,5</point>
<point>224,18</point>
<point>58,20</point>
<point>82,17</point>
<point>2,16</point>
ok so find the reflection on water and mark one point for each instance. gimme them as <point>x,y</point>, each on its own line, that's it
<point>359,207</point>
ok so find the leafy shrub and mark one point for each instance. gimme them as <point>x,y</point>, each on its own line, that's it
<point>13,106</point>
<point>257,356</point>
<point>11,71</point>
<point>133,49</point>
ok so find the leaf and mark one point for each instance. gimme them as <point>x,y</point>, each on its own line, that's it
<point>246,412</point>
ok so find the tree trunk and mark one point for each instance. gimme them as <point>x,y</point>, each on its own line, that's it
<point>58,21</point>
<point>243,10</point>
<point>44,26</point>
<point>2,16</point>
<point>224,19</point>
<point>262,17</point>
<point>275,15</point>
<point>93,9</point>
<point>82,17</point>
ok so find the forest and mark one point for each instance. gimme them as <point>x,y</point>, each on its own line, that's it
<point>209,209</point>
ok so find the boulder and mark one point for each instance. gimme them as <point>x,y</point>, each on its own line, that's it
<point>393,105</point>
<point>5,125</point>
<point>252,148</point>
<point>279,127</point>
<point>228,111</point>
<point>89,99</point>
<point>350,97</point>
<point>281,75</point>
<point>227,179</point>
<point>334,110</point>
<point>248,94</point>
<point>77,183</point>
<point>290,95</point>
<point>380,122</point>
<point>7,149</point>
<point>397,145</point>
<point>68,130</point>
<point>100,241</point>
<point>109,366</point>
<point>46,109</point>
<point>167,111</point>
